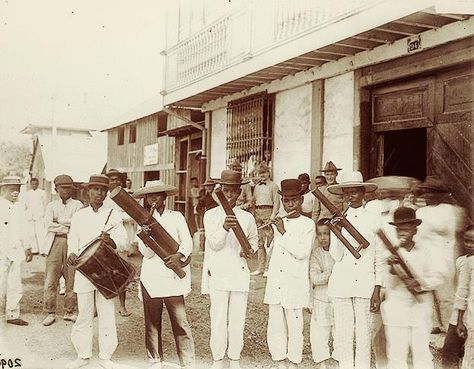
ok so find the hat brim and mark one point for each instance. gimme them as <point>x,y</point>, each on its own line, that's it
<point>416,222</point>
<point>11,184</point>
<point>330,170</point>
<point>169,190</point>
<point>291,193</point>
<point>336,189</point>
<point>242,182</point>
<point>88,184</point>
<point>68,185</point>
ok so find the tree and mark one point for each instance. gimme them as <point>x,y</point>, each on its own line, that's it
<point>14,158</point>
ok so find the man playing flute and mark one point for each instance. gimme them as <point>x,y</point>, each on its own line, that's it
<point>226,272</point>
<point>287,289</point>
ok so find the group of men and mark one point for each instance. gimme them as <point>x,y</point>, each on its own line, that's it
<point>308,267</point>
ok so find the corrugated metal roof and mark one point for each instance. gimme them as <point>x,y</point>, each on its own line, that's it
<point>77,156</point>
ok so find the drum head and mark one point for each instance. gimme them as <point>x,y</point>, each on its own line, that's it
<point>88,252</point>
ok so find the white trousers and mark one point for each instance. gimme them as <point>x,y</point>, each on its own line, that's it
<point>285,333</point>
<point>82,330</point>
<point>468,360</point>
<point>319,337</point>
<point>401,339</point>
<point>38,233</point>
<point>228,311</point>
<point>11,289</point>
<point>352,318</point>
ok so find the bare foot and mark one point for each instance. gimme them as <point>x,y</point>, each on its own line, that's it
<point>124,312</point>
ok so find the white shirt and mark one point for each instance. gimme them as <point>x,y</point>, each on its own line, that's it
<point>87,225</point>
<point>57,219</point>
<point>288,272</point>
<point>320,269</point>
<point>224,269</point>
<point>400,308</point>
<point>35,204</point>
<point>12,230</point>
<point>159,280</point>
<point>308,203</point>
<point>353,277</point>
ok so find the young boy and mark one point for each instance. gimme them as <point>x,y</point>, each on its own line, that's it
<point>322,319</point>
<point>267,204</point>
<point>465,301</point>
<point>406,317</point>
<point>287,289</point>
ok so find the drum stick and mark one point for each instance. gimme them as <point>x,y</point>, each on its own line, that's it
<point>283,217</point>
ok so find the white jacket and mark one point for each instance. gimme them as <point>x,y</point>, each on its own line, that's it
<point>224,269</point>
<point>13,225</point>
<point>288,272</point>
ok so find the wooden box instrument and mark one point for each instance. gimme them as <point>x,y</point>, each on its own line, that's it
<point>344,223</point>
<point>238,231</point>
<point>152,233</point>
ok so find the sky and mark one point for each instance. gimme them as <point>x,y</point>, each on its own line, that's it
<point>77,63</point>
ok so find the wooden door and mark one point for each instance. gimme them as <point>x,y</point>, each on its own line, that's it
<point>450,139</point>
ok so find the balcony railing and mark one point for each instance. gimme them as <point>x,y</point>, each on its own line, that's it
<point>260,25</point>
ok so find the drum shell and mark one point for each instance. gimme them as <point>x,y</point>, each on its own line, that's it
<point>105,269</point>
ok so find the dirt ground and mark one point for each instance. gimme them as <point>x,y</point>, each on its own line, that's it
<point>39,347</point>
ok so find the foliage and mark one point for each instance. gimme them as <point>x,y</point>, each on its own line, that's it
<point>14,158</point>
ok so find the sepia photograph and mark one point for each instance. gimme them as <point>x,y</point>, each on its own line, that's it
<point>213,184</point>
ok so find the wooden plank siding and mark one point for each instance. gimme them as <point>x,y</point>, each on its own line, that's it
<point>129,157</point>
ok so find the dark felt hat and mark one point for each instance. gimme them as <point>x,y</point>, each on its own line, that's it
<point>115,172</point>
<point>290,187</point>
<point>231,177</point>
<point>98,180</point>
<point>405,216</point>
<point>63,180</point>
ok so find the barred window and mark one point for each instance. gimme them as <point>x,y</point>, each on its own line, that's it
<point>250,131</point>
<point>132,134</point>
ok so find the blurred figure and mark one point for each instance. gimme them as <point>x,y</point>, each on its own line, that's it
<point>320,181</point>
<point>245,200</point>
<point>442,222</point>
<point>35,205</point>
<point>14,249</point>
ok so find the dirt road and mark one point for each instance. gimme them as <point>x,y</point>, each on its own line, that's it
<point>39,347</point>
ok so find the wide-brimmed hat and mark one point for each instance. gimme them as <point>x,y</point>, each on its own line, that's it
<point>405,216</point>
<point>63,180</point>
<point>330,167</point>
<point>432,184</point>
<point>210,182</point>
<point>234,163</point>
<point>156,186</point>
<point>98,180</point>
<point>231,177</point>
<point>351,179</point>
<point>394,183</point>
<point>115,172</point>
<point>11,180</point>
<point>290,187</point>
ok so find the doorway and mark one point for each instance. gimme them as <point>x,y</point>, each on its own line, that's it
<point>404,153</point>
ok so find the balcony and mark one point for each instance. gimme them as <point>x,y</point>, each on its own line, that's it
<point>265,40</point>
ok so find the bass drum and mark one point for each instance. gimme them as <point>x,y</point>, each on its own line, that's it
<point>105,269</point>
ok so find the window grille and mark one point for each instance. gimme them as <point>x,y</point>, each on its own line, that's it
<point>250,132</point>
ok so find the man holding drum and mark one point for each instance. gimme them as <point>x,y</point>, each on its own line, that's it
<point>86,225</point>
<point>159,283</point>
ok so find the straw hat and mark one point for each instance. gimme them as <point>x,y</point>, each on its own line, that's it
<point>11,180</point>
<point>156,186</point>
<point>351,179</point>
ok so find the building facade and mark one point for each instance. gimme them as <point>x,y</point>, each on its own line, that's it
<point>378,86</point>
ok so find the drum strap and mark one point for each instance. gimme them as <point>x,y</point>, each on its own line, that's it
<point>108,217</point>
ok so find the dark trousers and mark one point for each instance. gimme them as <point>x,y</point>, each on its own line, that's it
<point>153,309</point>
<point>56,267</point>
<point>453,349</point>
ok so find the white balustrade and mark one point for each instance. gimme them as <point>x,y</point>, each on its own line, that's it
<point>235,36</point>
